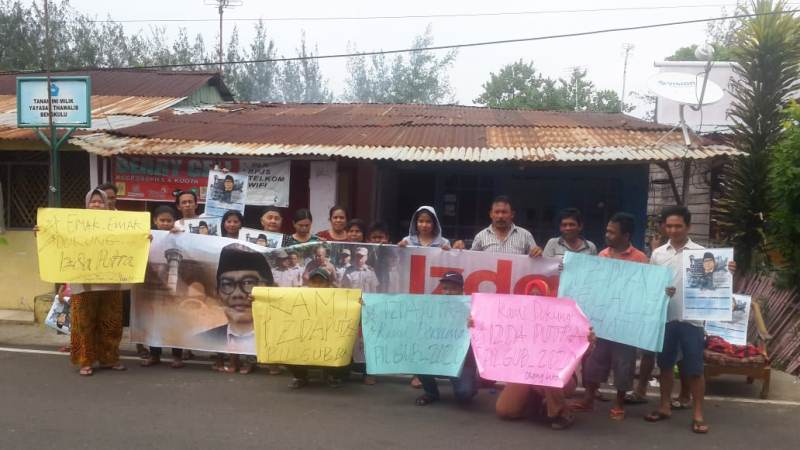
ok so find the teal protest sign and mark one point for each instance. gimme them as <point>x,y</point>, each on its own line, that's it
<point>625,301</point>
<point>419,334</point>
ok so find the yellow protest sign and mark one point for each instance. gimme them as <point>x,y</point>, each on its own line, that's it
<point>92,246</point>
<point>306,326</point>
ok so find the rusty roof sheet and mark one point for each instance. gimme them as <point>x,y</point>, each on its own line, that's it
<point>133,82</point>
<point>383,115</point>
<point>401,132</point>
<point>107,145</point>
<point>104,105</point>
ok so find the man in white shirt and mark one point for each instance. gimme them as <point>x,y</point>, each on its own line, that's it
<point>680,336</point>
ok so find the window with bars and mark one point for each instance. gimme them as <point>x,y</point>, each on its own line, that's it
<point>24,178</point>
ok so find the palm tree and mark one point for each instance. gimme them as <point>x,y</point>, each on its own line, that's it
<point>767,52</point>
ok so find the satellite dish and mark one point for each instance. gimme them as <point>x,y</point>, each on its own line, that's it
<point>684,88</point>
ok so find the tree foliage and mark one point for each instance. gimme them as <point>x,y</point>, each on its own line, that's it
<point>767,53</point>
<point>784,183</point>
<point>77,41</point>
<point>720,35</point>
<point>519,85</point>
<point>420,77</point>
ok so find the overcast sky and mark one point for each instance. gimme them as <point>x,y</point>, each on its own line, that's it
<point>602,55</point>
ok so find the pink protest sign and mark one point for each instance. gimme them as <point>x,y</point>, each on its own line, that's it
<point>527,339</point>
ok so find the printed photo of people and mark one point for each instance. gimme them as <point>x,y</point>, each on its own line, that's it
<point>260,237</point>
<point>707,284</point>
<point>226,191</point>
<point>59,317</point>
<point>707,272</point>
<point>209,226</point>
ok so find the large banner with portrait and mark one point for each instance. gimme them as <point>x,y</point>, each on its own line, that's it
<point>195,290</point>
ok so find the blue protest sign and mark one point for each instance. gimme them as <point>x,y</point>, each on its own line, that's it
<point>415,334</point>
<point>625,301</point>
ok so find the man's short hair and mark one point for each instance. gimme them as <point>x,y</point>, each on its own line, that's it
<point>379,226</point>
<point>570,213</point>
<point>502,199</point>
<point>625,221</point>
<point>107,186</point>
<point>240,257</point>
<point>677,210</point>
<point>165,209</point>
<point>228,177</point>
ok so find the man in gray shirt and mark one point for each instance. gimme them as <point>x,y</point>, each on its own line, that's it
<point>570,225</point>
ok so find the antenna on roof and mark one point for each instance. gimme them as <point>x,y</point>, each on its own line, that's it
<point>687,90</point>
<point>221,6</point>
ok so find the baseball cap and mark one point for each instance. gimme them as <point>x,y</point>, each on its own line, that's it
<point>362,251</point>
<point>320,272</point>
<point>453,277</point>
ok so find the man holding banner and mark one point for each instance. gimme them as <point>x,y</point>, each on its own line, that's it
<point>680,336</point>
<point>609,356</point>
<point>465,386</point>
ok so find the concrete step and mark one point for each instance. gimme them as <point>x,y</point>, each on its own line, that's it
<point>16,316</point>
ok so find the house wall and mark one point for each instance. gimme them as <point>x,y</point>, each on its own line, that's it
<point>462,195</point>
<point>699,201</point>
<point>19,275</point>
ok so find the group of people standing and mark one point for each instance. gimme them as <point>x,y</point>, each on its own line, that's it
<point>97,310</point>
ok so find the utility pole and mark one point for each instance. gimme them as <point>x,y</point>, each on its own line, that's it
<point>54,186</point>
<point>221,6</point>
<point>627,48</point>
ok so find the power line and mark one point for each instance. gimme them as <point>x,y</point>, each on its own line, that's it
<point>426,16</point>
<point>449,47</point>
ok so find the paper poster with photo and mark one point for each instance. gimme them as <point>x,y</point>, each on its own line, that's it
<point>707,284</point>
<point>734,331</point>
<point>226,191</point>
<point>263,238</point>
<point>208,226</point>
<point>268,181</point>
<point>59,317</point>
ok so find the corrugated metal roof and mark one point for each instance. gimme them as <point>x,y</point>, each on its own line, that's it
<point>103,105</point>
<point>133,82</point>
<point>107,145</point>
<point>385,115</point>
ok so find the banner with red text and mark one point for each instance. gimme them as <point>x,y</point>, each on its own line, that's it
<point>192,294</point>
<point>156,178</point>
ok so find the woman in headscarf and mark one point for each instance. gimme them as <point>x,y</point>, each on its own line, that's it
<point>96,316</point>
<point>424,231</point>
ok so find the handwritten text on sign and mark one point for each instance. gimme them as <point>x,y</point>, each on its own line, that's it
<point>625,301</point>
<point>306,326</point>
<point>527,339</point>
<point>419,334</point>
<point>92,246</point>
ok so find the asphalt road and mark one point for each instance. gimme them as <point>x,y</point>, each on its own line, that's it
<point>44,404</point>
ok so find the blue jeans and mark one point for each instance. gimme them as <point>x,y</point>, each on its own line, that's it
<point>464,387</point>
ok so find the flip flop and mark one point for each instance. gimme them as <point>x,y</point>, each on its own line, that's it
<point>656,416</point>
<point>86,371</point>
<point>699,427</point>
<point>635,399</point>
<point>177,364</point>
<point>616,414</point>
<point>677,404</point>
<point>580,407</point>
<point>424,400</point>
